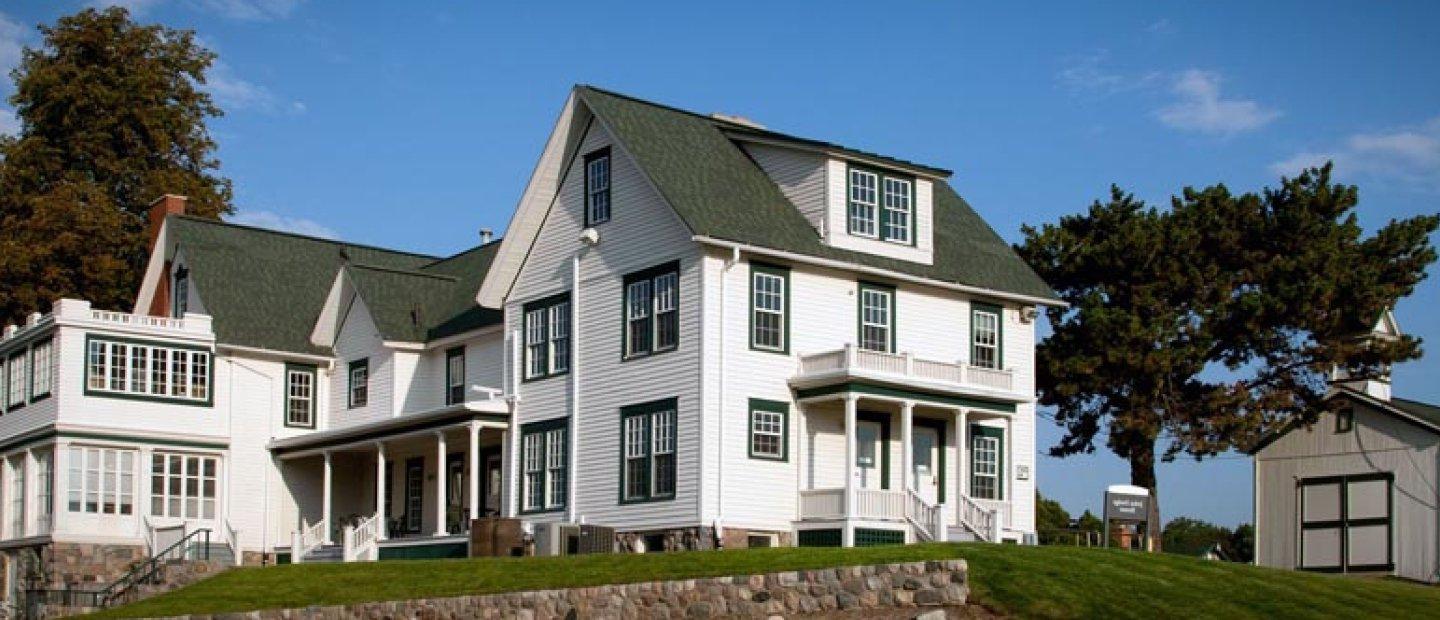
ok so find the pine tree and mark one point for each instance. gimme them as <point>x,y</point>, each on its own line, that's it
<point>112,116</point>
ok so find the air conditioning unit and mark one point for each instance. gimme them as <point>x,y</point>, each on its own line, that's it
<point>572,539</point>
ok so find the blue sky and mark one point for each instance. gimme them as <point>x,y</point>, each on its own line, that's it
<point>413,125</point>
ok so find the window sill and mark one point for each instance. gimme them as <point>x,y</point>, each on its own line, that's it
<point>760,349</point>
<point>541,511</point>
<point>648,354</point>
<point>544,377</point>
<point>647,500</point>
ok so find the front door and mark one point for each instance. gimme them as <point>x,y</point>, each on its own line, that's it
<point>926,460</point>
<point>456,493</point>
<point>491,481</point>
<point>414,493</point>
<point>867,454</point>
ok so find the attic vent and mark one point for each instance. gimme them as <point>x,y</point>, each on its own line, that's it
<point>738,120</point>
<point>415,316</point>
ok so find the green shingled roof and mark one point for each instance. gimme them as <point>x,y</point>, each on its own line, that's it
<point>1425,411</point>
<point>719,192</point>
<point>265,288</point>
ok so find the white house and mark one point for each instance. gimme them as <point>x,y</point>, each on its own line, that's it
<point>696,331</point>
<point>1355,492</point>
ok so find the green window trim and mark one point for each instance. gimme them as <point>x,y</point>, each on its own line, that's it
<point>978,307</point>
<point>646,412</point>
<point>288,394</point>
<point>980,430</point>
<point>760,405</point>
<point>49,368</point>
<point>604,195</point>
<point>351,401</point>
<point>555,364</point>
<point>892,313</point>
<point>209,383</point>
<point>883,419</point>
<point>543,429</point>
<point>454,392</point>
<point>783,273</point>
<point>882,215</point>
<point>15,358</point>
<point>652,322</point>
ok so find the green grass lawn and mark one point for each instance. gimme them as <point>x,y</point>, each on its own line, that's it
<point>1042,582</point>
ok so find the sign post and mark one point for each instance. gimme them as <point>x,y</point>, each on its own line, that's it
<point>1128,504</point>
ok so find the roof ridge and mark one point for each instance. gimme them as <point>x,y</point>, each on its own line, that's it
<point>765,131</point>
<point>1417,402</point>
<point>405,272</point>
<point>456,255</point>
<point>286,233</point>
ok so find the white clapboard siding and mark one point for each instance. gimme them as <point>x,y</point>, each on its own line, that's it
<point>360,339</point>
<point>642,232</point>
<point>837,234</point>
<point>799,174</point>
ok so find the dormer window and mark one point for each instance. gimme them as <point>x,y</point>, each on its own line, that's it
<point>597,187</point>
<point>181,292</point>
<point>881,206</point>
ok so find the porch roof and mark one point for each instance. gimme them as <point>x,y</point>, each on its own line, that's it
<point>494,413</point>
<point>892,392</point>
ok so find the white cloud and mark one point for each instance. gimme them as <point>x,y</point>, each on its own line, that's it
<point>1407,155</point>
<point>284,223</point>
<point>136,7</point>
<point>9,125</point>
<point>1160,26</point>
<point>1200,107</point>
<point>254,10</point>
<point>233,92</point>
<point>1087,74</point>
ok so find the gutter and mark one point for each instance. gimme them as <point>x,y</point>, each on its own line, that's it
<point>894,275</point>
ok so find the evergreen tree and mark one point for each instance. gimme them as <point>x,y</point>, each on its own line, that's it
<point>1201,328</point>
<point>112,115</point>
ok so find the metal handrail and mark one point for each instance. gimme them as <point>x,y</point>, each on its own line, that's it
<point>146,570</point>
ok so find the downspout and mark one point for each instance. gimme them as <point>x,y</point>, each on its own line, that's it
<point>720,418</point>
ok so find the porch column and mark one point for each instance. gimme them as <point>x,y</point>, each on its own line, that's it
<point>325,500</point>
<point>474,489</point>
<point>847,535</point>
<point>381,488</point>
<point>962,453</point>
<point>907,449</point>
<point>440,475</point>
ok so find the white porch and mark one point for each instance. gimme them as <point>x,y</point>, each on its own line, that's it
<point>408,491</point>
<point>873,458</point>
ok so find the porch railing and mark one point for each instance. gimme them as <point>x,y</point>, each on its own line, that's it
<point>927,518</point>
<point>361,542</point>
<point>878,504</point>
<point>232,540</point>
<point>307,539</point>
<point>822,503</point>
<point>983,521</point>
<point>905,365</point>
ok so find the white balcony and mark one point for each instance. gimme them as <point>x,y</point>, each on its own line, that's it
<point>904,369</point>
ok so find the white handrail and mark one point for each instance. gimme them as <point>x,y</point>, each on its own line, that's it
<point>924,516</point>
<point>984,522</point>
<point>361,542</point>
<point>232,540</point>
<point>905,365</point>
<point>308,539</point>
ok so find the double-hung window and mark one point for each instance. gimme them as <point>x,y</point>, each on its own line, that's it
<point>985,335</point>
<point>183,485</point>
<point>101,481</point>
<point>44,477</point>
<point>647,435</point>
<point>652,310</point>
<point>986,462</point>
<point>547,337</point>
<point>877,318</point>
<point>15,388</point>
<point>157,371</point>
<point>597,187</point>
<point>881,206</point>
<point>17,498</point>
<point>455,375</point>
<point>544,464</point>
<point>769,308</point>
<point>300,396</point>
<point>769,424</point>
<point>359,388</point>
<point>42,368</point>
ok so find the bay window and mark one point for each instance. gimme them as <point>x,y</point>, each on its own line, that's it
<point>161,372</point>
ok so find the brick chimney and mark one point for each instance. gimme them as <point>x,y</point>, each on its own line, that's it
<point>164,206</point>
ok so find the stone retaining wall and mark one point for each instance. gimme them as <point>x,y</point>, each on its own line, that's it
<point>883,586</point>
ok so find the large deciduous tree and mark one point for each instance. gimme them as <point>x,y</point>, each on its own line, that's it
<point>1200,328</point>
<point>112,115</point>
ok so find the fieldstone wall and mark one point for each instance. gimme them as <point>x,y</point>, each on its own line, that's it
<point>86,565</point>
<point>879,587</point>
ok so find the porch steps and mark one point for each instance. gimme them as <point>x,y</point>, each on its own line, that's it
<point>960,533</point>
<point>326,553</point>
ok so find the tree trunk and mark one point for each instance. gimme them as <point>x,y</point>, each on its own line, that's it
<point>1142,474</point>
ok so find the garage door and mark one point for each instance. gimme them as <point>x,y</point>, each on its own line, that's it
<point>1346,523</point>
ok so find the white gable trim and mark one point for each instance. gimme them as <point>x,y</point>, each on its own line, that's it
<point>154,270</point>
<point>327,325</point>
<point>529,215</point>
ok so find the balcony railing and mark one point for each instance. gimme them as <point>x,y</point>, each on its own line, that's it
<point>906,366</point>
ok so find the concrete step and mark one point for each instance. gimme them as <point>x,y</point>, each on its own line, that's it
<point>327,553</point>
<point>960,534</point>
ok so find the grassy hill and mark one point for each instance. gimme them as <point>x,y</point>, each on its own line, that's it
<point>1040,582</point>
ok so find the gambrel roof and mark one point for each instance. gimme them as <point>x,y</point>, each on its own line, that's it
<point>696,165</point>
<point>265,288</point>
